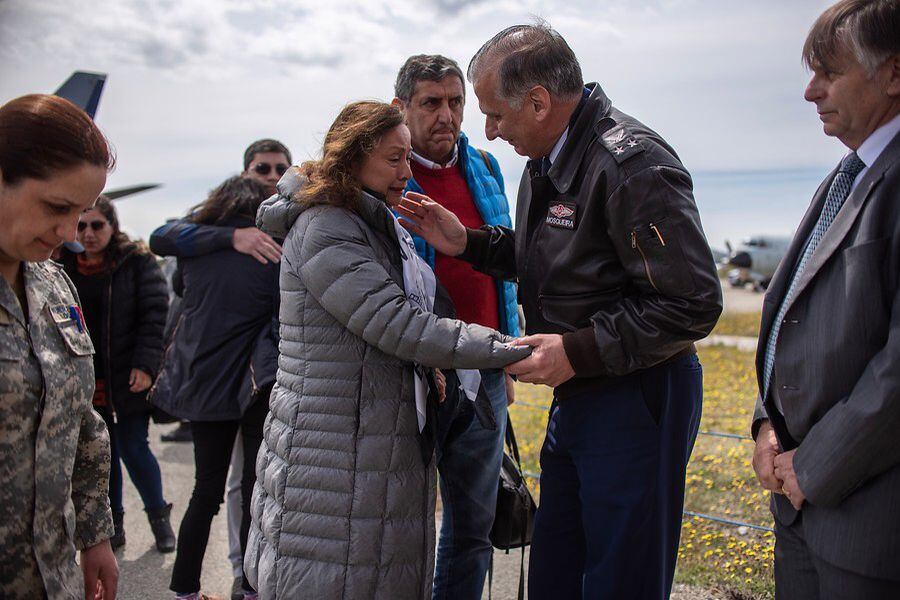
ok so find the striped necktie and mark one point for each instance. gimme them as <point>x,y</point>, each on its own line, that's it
<point>837,194</point>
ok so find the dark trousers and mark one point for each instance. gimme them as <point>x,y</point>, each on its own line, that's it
<point>801,575</point>
<point>128,444</point>
<point>612,486</point>
<point>213,442</point>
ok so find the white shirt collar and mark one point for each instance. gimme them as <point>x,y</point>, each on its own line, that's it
<point>430,164</point>
<point>558,147</point>
<point>871,149</point>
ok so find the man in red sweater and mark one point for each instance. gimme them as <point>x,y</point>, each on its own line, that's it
<point>431,91</point>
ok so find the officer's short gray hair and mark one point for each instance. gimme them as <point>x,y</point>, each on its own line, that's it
<point>868,29</point>
<point>528,55</point>
<point>425,67</point>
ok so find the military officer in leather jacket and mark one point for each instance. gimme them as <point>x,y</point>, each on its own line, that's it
<point>616,281</point>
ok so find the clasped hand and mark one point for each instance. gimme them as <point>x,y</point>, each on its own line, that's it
<point>548,363</point>
<point>774,468</point>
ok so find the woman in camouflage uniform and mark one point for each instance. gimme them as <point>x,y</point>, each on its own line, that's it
<point>54,449</point>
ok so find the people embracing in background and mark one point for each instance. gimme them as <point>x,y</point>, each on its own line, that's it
<point>431,91</point>
<point>344,502</point>
<point>616,280</point>
<point>124,299</point>
<point>265,161</point>
<point>219,369</point>
<point>828,363</point>
<point>54,448</point>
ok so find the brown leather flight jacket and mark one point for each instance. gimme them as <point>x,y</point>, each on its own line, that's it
<point>608,249</point>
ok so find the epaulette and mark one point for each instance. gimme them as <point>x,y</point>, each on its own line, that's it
<point>618,140</point>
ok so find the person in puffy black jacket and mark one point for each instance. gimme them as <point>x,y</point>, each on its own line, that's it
<point>124,299</point>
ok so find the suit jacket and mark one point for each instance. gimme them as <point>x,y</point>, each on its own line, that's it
<point>837,374</point>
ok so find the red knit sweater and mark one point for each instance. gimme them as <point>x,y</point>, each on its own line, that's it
<point>474,294</point>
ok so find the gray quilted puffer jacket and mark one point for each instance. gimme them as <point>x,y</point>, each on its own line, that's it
<point>343,506</point>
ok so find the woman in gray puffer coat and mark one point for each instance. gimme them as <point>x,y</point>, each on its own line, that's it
<point>343,506</point>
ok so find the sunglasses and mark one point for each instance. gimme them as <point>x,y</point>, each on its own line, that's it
<point>95,225</point>
<point>266,168</point>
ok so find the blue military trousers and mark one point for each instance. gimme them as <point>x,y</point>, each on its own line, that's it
<point>612,486</point>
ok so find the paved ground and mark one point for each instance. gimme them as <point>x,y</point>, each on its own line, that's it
<point>741,300</point>
<point>145,573</point>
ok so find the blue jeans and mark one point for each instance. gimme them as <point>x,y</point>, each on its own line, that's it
<point>612,486</point>
<point>468,461</point>
<point>128,444</point>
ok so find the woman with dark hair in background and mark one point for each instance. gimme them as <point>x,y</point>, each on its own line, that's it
<point>344,505</point>
<point>219,370</point>
<point>54,449</point>
<point>124,298</point>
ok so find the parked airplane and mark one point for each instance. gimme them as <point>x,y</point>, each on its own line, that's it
<point>755,260</point>
<point>83,89</point>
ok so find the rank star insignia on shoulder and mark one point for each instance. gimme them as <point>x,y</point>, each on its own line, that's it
<point>621,143</point>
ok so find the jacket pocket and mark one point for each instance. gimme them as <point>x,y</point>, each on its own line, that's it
<point>78,342</point>
<point>657,246</point>
<point>574,311</point>
<point>866,286</point>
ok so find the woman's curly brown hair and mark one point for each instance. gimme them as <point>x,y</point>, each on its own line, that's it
<point>353,135</point>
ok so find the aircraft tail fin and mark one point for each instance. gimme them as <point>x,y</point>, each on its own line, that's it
<point>83,89</point>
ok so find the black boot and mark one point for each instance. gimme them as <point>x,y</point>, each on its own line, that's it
<point>118,538</point>
<point>182,433</point>
<point>162,529</point>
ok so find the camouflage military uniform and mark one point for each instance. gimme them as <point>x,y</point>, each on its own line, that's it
<point>54,449</point>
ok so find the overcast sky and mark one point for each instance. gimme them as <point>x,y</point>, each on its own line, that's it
<point>192,82</point>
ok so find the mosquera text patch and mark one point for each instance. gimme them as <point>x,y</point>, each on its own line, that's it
<point>562,214</point>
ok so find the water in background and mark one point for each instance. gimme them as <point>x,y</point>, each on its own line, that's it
<point>737,204</point>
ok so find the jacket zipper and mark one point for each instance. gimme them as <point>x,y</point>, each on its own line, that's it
<point>165,355</point>
<point>254,388</point>
<point>658,234</point>
<point>636,246</point>
<point>108,383</point>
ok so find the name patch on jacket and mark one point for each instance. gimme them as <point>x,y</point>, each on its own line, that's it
<point>562,214</point>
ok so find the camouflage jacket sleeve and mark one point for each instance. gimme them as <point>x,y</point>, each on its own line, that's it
<point>90,482</point>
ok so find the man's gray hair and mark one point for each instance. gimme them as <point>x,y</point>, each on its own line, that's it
<point>868,29</point>
<point>528,55</point>
<point>425,67</point>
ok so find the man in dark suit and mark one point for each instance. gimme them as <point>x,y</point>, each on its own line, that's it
<point>828,364</point>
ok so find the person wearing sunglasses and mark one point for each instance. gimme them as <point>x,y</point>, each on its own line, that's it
<point>265,161</point>
<point>124,298</point>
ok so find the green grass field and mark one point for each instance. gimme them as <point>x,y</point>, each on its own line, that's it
<point>720,479</point>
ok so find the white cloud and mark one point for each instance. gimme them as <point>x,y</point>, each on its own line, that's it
<point>192,82</point>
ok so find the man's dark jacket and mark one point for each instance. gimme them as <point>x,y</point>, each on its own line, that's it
<point>837,375</point>
<point>135,301</point>
<point>608,249</point>
<point>224,347</point>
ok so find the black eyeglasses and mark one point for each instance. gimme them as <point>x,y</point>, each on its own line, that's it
<point>266,168</point>
<point>95,225</point>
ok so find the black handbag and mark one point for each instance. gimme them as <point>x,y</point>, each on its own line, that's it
<point>514,519</point>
